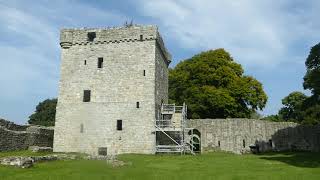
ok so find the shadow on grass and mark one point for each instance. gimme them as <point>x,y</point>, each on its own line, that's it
<point>299,159</point>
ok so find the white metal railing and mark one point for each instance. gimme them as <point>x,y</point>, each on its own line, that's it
<point>168,108</point>
<point>167,123</point>
<point>172,108</point>
<point>169,148</point>
<point>179,109</point>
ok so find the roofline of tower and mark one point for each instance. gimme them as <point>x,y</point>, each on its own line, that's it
<point>113,27</point>
<point>73,36</point>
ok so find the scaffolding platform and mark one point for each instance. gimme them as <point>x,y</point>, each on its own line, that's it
<point>171,130</point>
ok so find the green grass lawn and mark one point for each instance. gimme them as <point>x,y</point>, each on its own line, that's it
<point>206,166</point>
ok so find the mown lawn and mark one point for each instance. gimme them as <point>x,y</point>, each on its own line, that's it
<point>206,166</point>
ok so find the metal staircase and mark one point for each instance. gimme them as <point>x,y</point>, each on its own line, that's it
<point>171,131</point>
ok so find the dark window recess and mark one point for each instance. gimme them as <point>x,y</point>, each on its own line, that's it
<point>86,95</point>
<point>141,37</point>
<point>119,125</point>
<point>85,62</point>
<point>91,36</point>
<point>270,142</point>
<point>100,62</point>
<point>102,151</point>
<point>144,72</point>
<point>138,105</point>
<point>219,143</point>
<point>244,143</point>
<point>81,128</point>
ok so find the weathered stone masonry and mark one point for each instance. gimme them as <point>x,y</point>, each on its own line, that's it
<point>236,135</point>
<point>17,137</point>
<point>130,86</point>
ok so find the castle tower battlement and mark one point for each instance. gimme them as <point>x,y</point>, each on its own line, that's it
<point>79,36</point>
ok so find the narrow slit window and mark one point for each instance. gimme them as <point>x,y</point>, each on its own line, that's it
<point>86,96</point>
<point>270,142</point>
<point>244,143</point>
<point>138,105</point>
<point>219,143</point>
<point>91,36</point>
<point>141,37</point>
<point>85,62</point>
<point>144,72</point>
<point>119,125</point>
<point>81,128</point>
<point>100,62</point>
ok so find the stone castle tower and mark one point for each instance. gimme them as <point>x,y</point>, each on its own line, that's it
<point>113,82</point>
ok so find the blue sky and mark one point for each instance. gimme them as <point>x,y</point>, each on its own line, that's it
<point>270,38</point>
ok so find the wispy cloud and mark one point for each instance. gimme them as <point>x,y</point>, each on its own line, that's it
<point>257,33</point>
<point>29,48</point>
<point>264,36</point>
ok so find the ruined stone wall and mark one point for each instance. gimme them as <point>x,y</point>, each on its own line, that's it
<point>236,135</point>
<point>129,75</point>
<point>17,137</point>
<point>12,126</point>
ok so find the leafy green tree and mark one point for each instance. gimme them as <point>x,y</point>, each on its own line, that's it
<point>297,106</point>
<point>255,115</point>
<point>312,77</point>
<point>274,118</point>
<point>312,115</point>
<point>292,110</point>
<point>311,105</point>
<point>214,86</point>
<point>45,113</point>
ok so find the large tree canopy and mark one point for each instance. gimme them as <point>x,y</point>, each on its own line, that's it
<point>213,86</point>
<point>45,113</point>
<point>312,77</point>
<point>311,105</point>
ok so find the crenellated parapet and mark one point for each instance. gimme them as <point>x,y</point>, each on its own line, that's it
<point>135,33</point>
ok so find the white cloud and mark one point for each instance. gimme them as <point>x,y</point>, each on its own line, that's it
<point>29,47</point>
<point>257,33</point>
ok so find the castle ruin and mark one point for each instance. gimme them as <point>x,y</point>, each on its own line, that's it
<point>113,96</point>
<point>113,84</point>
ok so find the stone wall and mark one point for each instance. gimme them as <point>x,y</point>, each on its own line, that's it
<point>236,135</point>
<point>17,137</point>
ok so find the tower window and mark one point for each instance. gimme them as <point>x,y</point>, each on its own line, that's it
<point>100,62</point>
<point>91,36</point>
<point>243,143</point>
<point>138,105</point>
<point>85,62</point>
<point>81,128</point>
<point>102,151</point>
<point>141,37</point>
<point>119,125</point>
<point>219,143</point>
<point>144,72</point>
<point>86,95</point>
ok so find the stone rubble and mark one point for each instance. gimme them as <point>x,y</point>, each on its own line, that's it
<point>40,149</point>
<point>27,162</point>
